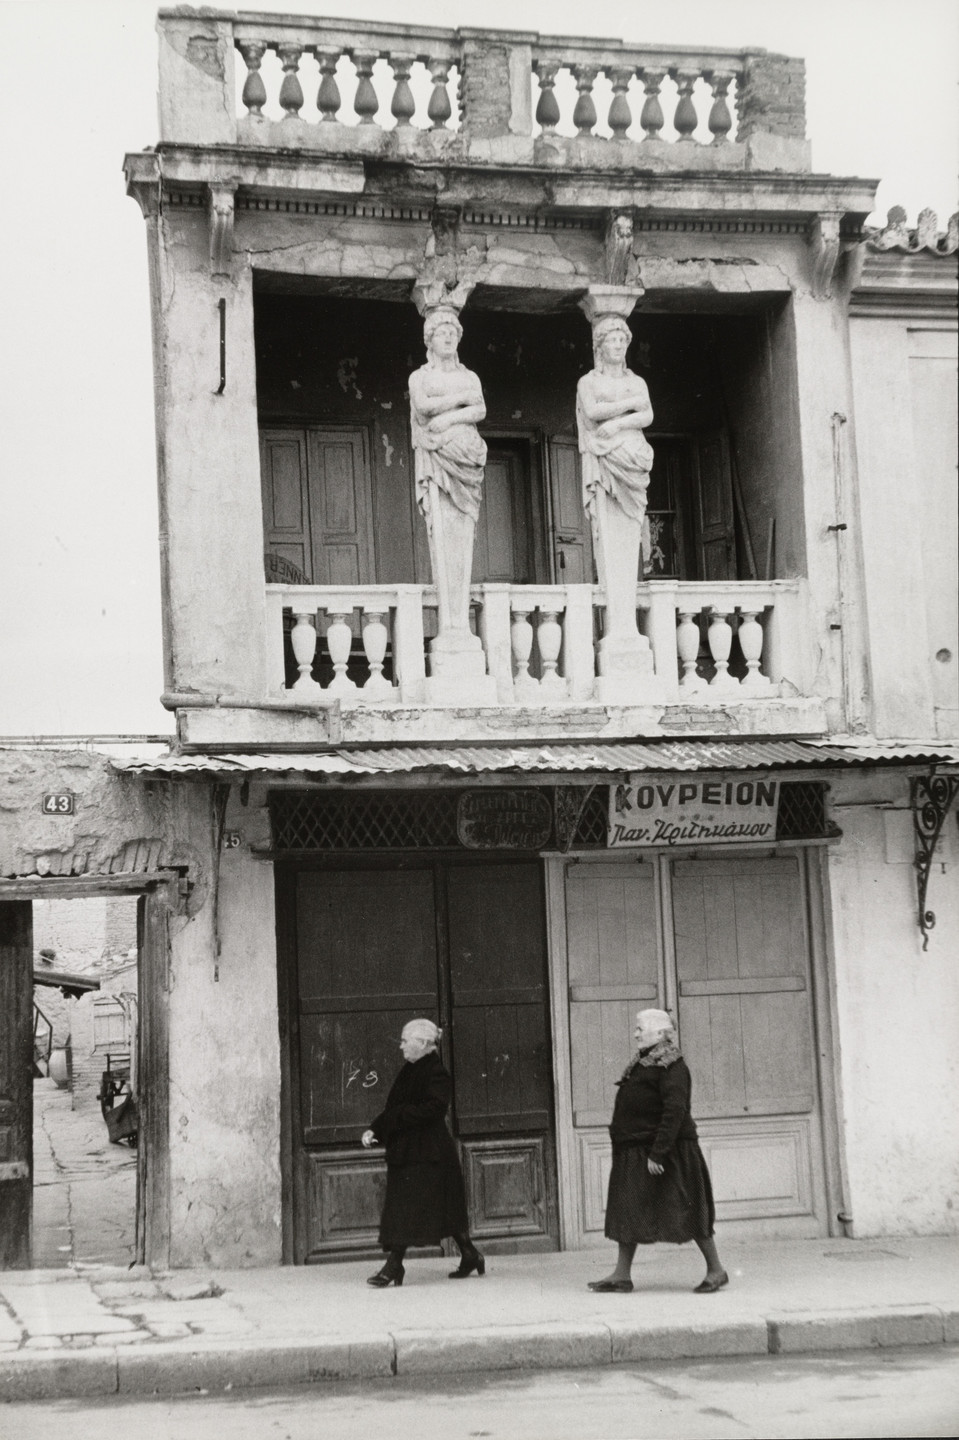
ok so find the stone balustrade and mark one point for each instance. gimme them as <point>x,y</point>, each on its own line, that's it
<point>538,640</point>
<point>263,79</point>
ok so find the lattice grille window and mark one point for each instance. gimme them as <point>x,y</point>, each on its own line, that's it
<point>426,819</point>
<point>802,811</point>
<point>365,820</point>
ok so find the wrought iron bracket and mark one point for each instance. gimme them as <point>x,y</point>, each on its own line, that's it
<point>932,796</point>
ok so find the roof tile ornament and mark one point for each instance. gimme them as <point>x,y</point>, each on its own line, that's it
<point>896,234</point>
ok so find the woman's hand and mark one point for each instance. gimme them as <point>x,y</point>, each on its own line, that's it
<point>367,1138</point>
<point>654,1167</point>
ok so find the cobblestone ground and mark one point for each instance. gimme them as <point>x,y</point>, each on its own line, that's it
<point>84,1188</point>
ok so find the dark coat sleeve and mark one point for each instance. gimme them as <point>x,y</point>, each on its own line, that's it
<point>675,1088</point>
<point>415,1113</point>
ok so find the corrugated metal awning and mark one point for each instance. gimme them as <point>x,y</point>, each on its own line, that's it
<point>615,757</point>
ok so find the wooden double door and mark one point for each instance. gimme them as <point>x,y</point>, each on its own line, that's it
<point>723,944</point>
<point>366,947</point>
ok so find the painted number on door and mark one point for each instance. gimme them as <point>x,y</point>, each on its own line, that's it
<point>59,804</point>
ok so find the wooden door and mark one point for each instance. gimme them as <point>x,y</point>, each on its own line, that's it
<point>572,541</point>
<point>16,1083</point>
<point>502,1060</point>
<point>613,971</point>
<point>746,1029</point>
<point>503,548</point>
<point>318,503</point>
<point>367,949</point>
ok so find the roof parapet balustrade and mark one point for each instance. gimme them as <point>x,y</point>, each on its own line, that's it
<point>476,96</point>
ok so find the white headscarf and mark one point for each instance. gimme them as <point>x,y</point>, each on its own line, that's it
<point>424,1030</point>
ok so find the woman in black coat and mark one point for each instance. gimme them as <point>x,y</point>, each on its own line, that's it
<point>659,1186</point>
<point>425,1196</point>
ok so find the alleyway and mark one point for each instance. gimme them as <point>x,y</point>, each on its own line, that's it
<point>84,1191</point>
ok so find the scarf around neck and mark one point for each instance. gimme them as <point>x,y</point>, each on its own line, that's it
<point>664,1053</point>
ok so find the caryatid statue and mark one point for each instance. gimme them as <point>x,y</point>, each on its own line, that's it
<point>612,410</point>
<point>446,405</point>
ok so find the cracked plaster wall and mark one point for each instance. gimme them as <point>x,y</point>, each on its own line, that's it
<point>225,1064</point>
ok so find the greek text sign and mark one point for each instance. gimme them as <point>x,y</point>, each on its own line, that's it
<point>692,810</point>
<point>504,819</point>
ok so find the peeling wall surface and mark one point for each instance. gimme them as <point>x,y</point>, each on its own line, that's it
<point>225,1066</point>
<point>898,1013</point>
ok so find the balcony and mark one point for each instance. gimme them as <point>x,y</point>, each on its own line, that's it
<point>427,94</point>
<point>728,656</point>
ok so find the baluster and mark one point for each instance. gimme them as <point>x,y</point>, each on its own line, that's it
<point>375,639</point>
<point>584,116</point>
<point>366,103</point>
<point>547,106</point>
<point>328,96</point>
<point>521,639</point>
<point>620,115</point>
<point>751,643</point>
<point>403,106</point>
<point>339,641</point>
<point>303,638</point>
<point>549,638</point>
<point>652,119</point>
<point>439,109</point>
<point>291,91</point>
<point>720,637</point>
<point>720,120</point>
<point>685,119</point>
<point>687,643</point>
<point>254,91</point>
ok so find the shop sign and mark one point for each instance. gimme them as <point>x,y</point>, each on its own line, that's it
<point>692,810</point>
<point>504,819</point>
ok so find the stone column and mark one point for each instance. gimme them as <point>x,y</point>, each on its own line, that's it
<point>615,474</point>
<point>446,403</point>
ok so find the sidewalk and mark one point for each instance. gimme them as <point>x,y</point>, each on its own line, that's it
<point>94,1330</point>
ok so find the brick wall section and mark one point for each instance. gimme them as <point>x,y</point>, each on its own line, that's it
<point>485,89</point>
<point>772,97</point>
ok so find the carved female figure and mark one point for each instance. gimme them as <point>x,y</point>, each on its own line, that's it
<point>446,404</point>
<point>612,409</point>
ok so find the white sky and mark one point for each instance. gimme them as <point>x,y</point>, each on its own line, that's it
<point>79,574</point>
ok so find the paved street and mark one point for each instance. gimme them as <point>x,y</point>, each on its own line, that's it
<point>84,1190</point>
<point>906,1392</point>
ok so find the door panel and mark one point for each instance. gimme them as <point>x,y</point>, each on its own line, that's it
<point>502,1061</point>
<point>717,542</point>
<point>745,1021</point>
<point>502,547</point>
<point>572,540</point>
<point>342,507</point>
<point>286,501</point>
<point>16,1083</point>
<point>613,972</point>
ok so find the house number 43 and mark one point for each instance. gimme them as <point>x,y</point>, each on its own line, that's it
<point>60,804</point>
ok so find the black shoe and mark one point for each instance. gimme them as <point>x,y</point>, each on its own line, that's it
<point>469,1263</point>
<point>389,1275</point>
<point>709,1287</point>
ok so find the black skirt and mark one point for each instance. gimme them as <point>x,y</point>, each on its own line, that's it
<point>676,1206</point>
<point>424,1203</point>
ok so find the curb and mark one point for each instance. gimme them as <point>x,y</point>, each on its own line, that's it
<point>160,1368</point>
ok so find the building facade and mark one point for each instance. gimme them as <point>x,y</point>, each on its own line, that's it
<point>433,765</point>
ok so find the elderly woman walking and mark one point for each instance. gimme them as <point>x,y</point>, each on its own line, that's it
<point>659,1186</point>
<point>425,1196</point>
